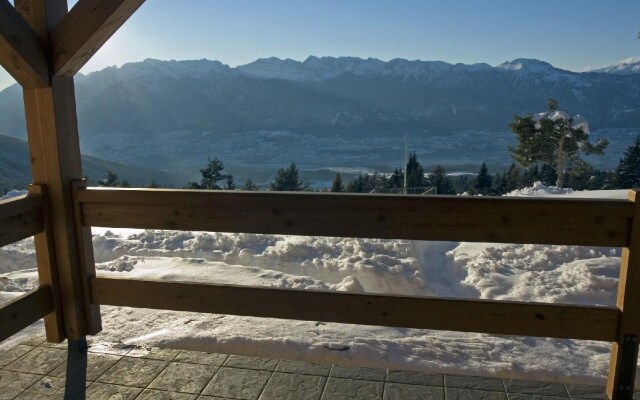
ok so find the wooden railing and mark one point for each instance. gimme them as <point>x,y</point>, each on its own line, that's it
<point>597,222</point>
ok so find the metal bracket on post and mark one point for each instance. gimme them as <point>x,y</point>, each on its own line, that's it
<point>628,370</point>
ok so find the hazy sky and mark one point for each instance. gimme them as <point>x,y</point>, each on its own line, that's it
<point>570,34</point>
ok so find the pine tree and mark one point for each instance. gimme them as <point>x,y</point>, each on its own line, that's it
<point>482,183</point>
<point>627,174</point>
<point>249,185</point>
<point>211,175</point>
<point>288,180</point>
<point>110,180</point>
<point>231,185</point>
<point>337,185</point>
<point>415,172</point>
<point>554,138</point>
<point>441,182</point>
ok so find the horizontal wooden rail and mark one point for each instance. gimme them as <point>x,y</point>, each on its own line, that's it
<point>483,316</point>
<point>24,310</point>
<point>448,218</point>
<point>20,217</point>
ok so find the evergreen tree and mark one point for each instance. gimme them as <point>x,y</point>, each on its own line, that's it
<point>627,174</point>
<point>483,182</point>
<point>231,185</point>
<point>211,175</point>
<point>441,182</point>
<point>110,180</point>
<point>396,180</point>
<point>287,180</point>
<point>249,185</point>
<point>337,185</point>
<point>554,138</point>
<point>415,172</point>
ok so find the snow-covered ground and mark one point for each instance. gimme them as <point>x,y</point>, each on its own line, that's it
<point>561,274</point>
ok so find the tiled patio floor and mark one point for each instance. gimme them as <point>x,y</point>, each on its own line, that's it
<point>36,370</point>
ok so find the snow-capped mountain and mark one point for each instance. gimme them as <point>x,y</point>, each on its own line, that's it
<point>624,67</point>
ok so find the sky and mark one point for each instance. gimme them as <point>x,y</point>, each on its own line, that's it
<point>570,34</point>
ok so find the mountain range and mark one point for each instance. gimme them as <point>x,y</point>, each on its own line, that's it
<point>142,103</point>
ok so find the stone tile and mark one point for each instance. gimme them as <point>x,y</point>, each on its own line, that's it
<point>14,353</point>
<point>586,391</point>
<point>305,368</point>
<point>153,353</point>
<point>339,389</point>
<point>262,364</point>
<point>469,394</point>
<point>46,388</point>
<point>533,387</point>
<point>118,349</point>
<point>14,383</point>
<point>97,364</point>
<point>284,386</point>
<point>151,394</point>
<point>401,391</point>
<point>522,396</point>
<point>40,360</point>
<point>198,357</point>
<point>415,378</point>
<point>133,372</point>
<point>474,383</point>
<point>367,374</point>
<point>181,377</point>
<point>234,383</point>
<point>104,391</point>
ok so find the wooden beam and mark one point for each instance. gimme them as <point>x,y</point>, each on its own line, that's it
<point>88,25</point>
<point>475,219</point>
<point>22,311</point>
<point>622,368</point>
<point>484,316</point>
<point>47,268</point>
<point>22,53</point>
<point>20,218</point>
<point>54,149</point>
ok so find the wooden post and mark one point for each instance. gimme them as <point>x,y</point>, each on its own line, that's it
<point>624,352</point>
<point>55,162</point>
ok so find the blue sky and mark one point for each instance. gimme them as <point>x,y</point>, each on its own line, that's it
<point>570,34</point>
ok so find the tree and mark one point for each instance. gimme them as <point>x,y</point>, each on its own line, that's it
<point>627,174</point>
<point>482,184</point>
<point>415,172</point>
<point>211,175</point>
<point>554,138</point>
<point>111,180</point>
<point>337,185</point>
<point>441,182</point>
<point>287,180</point>
<point>249,185</point>
<point>231,184</point>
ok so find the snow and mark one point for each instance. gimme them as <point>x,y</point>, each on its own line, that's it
<point>558,274</point>
<point>627,66</point>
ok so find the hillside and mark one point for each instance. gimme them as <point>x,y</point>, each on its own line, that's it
<point>16,173</point>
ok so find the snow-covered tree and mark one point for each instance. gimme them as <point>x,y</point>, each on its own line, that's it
<point>554,138</point>
<point>627,174</point>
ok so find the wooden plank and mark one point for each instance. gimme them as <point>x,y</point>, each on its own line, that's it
<point>22,311</point>
<point>55,161</point>
<point>88,25</point>
<point>484,316</point>
<point>629,303</point>
<point>475,219</point>
<point>20,227</point>
<point>19,204</point>
<point>22,53</point>
<point>47,270</point>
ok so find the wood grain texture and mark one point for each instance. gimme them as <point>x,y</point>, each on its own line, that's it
<point>474,219</point>
<point>22,53</point>
<point>484,316</point>
<point>20,218</point>
<point>628,302</point>
<point>22,311</point>
<point>87,26</point>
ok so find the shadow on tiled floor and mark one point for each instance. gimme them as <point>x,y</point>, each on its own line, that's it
<point>36,370</point>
